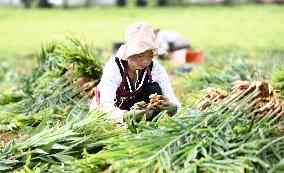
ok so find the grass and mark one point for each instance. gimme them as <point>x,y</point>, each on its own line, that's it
<point>232,31</point>
<point>239,28</point>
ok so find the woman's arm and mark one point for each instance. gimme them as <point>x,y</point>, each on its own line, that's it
<point>108,85</point>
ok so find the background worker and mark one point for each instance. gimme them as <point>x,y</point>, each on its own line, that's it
<point>179,48</point>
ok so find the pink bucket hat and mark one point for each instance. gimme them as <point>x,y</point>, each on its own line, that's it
<point>139,37</point>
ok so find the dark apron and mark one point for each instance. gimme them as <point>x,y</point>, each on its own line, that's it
<point>123,98</point>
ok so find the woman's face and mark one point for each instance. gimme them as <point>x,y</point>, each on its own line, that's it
<point>142,60</point>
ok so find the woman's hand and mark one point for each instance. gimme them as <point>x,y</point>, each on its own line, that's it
<point>148,112</point>
<point>169,107</point>
<point>161,103</point>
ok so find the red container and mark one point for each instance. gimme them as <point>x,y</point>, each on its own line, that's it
<point>195,56</point>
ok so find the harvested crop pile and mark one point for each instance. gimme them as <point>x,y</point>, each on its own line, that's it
<point>43,123</point>
<point>47,127</point>
<point>257,96</point>
<point>66,72</point>
<point>218,134</point>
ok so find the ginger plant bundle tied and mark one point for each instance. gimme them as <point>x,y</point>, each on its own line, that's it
<point>256,96</point>
<point>87,86</point>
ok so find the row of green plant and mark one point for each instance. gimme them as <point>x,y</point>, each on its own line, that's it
<point>43,120</point>
<point>212,140</point>
<point>45,125</point>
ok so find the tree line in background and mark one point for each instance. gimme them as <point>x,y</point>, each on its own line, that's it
<point>141,3</point>
<point>88,3</point>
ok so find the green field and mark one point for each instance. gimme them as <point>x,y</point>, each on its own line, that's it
<point>239,28</point>
<point>46,125</point>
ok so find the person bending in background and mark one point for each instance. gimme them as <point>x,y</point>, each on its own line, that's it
<point>179,48</point>
<point>132,76</point>
<point>171,41</point>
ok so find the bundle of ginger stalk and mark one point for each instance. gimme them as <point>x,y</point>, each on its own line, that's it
<point>256,96</point>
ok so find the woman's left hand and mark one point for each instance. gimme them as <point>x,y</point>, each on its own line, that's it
<point>169,107</point>
<point>148,112</point>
